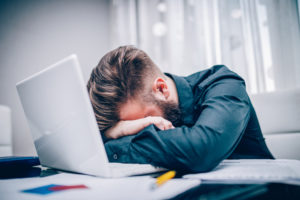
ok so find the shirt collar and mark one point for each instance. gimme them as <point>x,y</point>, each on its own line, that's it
<point>185,97</point>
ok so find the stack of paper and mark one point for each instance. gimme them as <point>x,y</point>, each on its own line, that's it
<point>253,171</point>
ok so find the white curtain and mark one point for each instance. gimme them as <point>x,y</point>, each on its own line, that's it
<point>258,39</point>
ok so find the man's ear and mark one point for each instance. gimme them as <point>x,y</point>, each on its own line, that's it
<point>160,88</point>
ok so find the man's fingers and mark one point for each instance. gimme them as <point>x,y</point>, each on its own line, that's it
<point>166,124</point>
<point>161,123</point>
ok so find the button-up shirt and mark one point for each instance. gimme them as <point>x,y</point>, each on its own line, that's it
<point>218,122</point>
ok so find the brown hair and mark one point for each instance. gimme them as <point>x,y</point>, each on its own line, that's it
<point>120,75</point>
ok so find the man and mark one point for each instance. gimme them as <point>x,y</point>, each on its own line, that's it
<point>188,124</point>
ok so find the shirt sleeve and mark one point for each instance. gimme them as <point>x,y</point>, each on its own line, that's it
<point>223,113</point>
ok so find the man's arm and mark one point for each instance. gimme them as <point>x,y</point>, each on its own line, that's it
<point>132,127</point>
<point>224,114</point>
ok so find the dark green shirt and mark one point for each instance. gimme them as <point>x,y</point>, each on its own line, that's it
<point>218,122</point>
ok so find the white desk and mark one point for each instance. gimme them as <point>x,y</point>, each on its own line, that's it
<point>98,188</point>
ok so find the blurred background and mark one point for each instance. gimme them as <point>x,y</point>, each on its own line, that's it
<point>258,39</point>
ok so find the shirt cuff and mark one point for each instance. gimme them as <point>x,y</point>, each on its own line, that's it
<point>119,150</point>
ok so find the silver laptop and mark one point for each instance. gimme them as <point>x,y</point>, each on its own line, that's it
<point>63,125</point>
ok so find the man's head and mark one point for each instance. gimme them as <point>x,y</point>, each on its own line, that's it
<point>127,85</point>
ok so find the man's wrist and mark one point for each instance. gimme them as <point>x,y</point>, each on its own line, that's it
<point>148,121</point>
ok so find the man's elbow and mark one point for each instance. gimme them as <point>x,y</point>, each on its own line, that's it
<point>196,165</point>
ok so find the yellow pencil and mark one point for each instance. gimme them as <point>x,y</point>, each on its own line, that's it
<point>163,179</point>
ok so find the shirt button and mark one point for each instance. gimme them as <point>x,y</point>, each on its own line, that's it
<point>115,156</point>
<point>195,107</point>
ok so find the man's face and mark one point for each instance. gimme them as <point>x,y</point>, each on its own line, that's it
<point>137,109</point>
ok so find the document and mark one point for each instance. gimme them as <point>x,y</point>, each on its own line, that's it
<point>253,171</point>
<point>76,186</point>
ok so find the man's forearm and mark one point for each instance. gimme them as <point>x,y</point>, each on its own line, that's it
<point>132,127</point>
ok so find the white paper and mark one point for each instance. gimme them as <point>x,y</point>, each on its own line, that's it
<point>98,188</point>
<point>252,170</point>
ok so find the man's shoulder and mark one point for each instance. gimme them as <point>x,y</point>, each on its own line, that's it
<point>211,75</point>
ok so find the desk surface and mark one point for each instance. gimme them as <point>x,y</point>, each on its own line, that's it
<point>135,188</point>
<point>47,184</point>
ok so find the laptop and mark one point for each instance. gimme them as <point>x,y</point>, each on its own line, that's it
<point>63,125</point>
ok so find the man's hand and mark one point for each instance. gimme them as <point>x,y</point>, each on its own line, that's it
<point>131,127</point>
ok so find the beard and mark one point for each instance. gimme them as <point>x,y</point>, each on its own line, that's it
<point>170,110</point>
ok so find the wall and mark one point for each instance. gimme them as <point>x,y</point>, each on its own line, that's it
<point>35,34</point>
